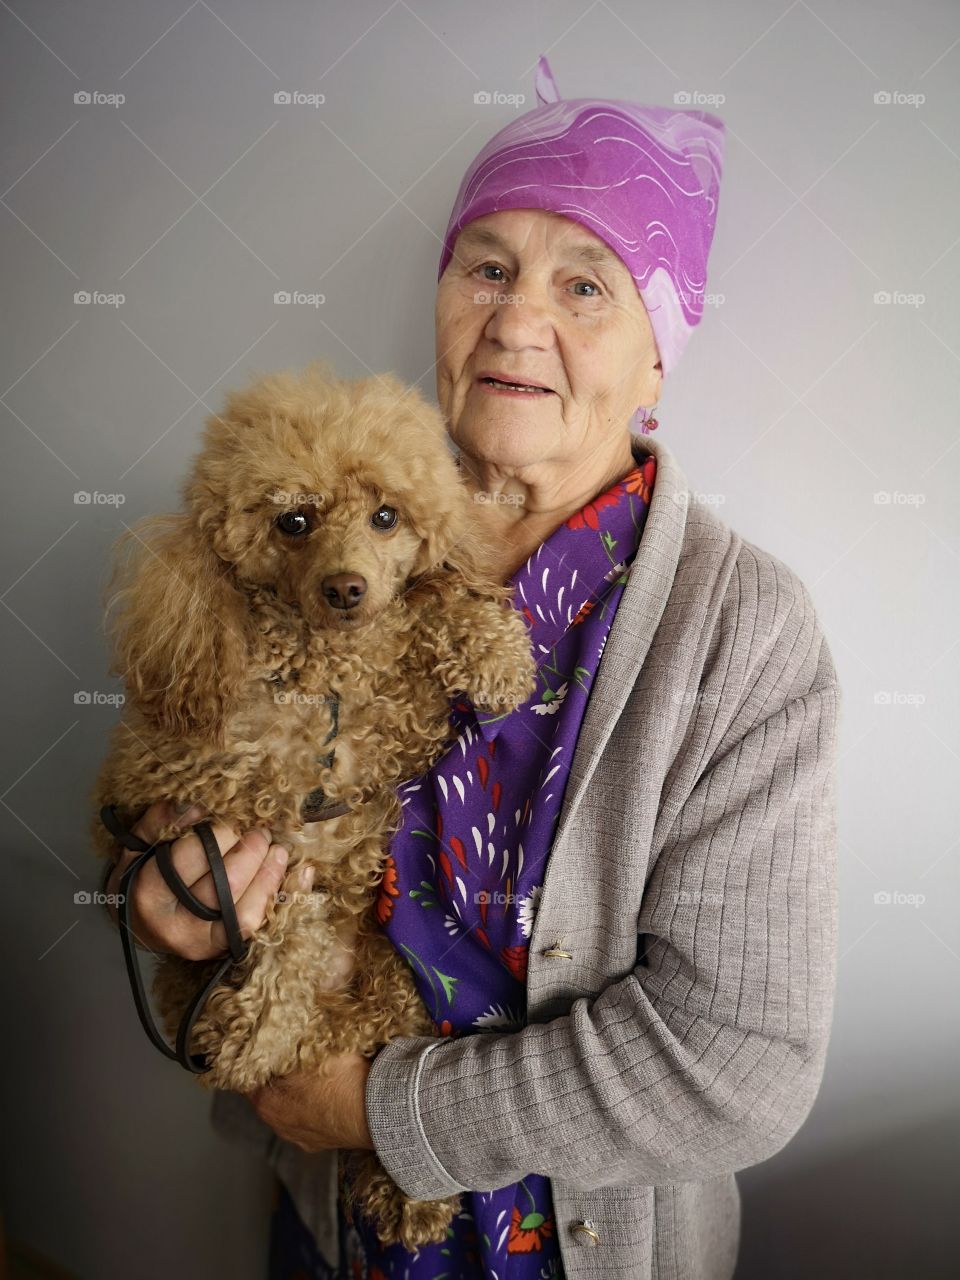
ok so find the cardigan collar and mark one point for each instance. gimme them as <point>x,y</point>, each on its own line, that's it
<point>648,587</point>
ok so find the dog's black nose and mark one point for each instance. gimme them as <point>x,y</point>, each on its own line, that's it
<point>343,590</point>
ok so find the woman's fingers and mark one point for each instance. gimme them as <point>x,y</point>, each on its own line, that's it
<point>244,860</point>
<point>160,814</point>
<point>253,901</point>
<point>255,869</point>
<point>148,827</point>
<point>254,873</point>
<point>242,855</point>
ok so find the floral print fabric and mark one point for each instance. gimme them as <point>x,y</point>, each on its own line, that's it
<point>464,872</point>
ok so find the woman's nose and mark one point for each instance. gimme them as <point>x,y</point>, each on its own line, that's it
<point>522,319</point>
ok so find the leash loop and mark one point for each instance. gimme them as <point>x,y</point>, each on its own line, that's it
<point>238,946</point>
<point>315,809</point>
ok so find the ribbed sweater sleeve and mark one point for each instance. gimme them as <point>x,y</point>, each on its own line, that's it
<point>707,1057</point>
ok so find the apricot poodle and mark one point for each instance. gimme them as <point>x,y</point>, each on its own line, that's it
<point>323,588</point>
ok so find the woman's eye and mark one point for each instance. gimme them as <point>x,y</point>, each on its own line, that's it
<point>384,518</point>
<point>292,522</point>
<point>492,266</point>
<point>590,285</point>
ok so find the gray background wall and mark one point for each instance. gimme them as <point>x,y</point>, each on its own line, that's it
<point>800,399</point>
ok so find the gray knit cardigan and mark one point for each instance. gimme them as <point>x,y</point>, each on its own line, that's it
<point>680,1033</point>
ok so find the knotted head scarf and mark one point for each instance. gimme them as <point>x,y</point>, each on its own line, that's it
<point>645,180</point>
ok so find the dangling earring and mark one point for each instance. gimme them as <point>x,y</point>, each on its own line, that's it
<point>647,423</point>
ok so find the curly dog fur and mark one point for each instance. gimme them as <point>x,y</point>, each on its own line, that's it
<point>232,634</point>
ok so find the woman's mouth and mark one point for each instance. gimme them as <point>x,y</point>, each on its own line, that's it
<point>494,386</point>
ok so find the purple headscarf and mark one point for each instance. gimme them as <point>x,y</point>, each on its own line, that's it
<point>645,180</point>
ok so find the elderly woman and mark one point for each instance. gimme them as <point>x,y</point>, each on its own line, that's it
<point>642,856</point>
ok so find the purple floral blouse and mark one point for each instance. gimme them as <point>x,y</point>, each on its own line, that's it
<point>465,870</point>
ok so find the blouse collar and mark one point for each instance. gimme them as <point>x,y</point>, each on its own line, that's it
<point>567,577</point>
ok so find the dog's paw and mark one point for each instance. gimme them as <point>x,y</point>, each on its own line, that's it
<point>426,1221</point>
<point>502,691</point>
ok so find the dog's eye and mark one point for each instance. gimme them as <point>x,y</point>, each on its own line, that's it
<point>384,518</point>
<point>292,522</point>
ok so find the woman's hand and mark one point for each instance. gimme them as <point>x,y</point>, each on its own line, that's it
<point>319,1112</point>
<point>255,869</point>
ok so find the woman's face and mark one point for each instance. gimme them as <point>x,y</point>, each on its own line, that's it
<point>531,296</point>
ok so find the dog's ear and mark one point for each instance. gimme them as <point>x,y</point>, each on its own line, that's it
<point>458,543</point>
<point>179,626</point>
<point>431,554</point>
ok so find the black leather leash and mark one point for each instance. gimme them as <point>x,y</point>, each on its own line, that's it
<point>314,810</point>
<point>197,1063</point>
